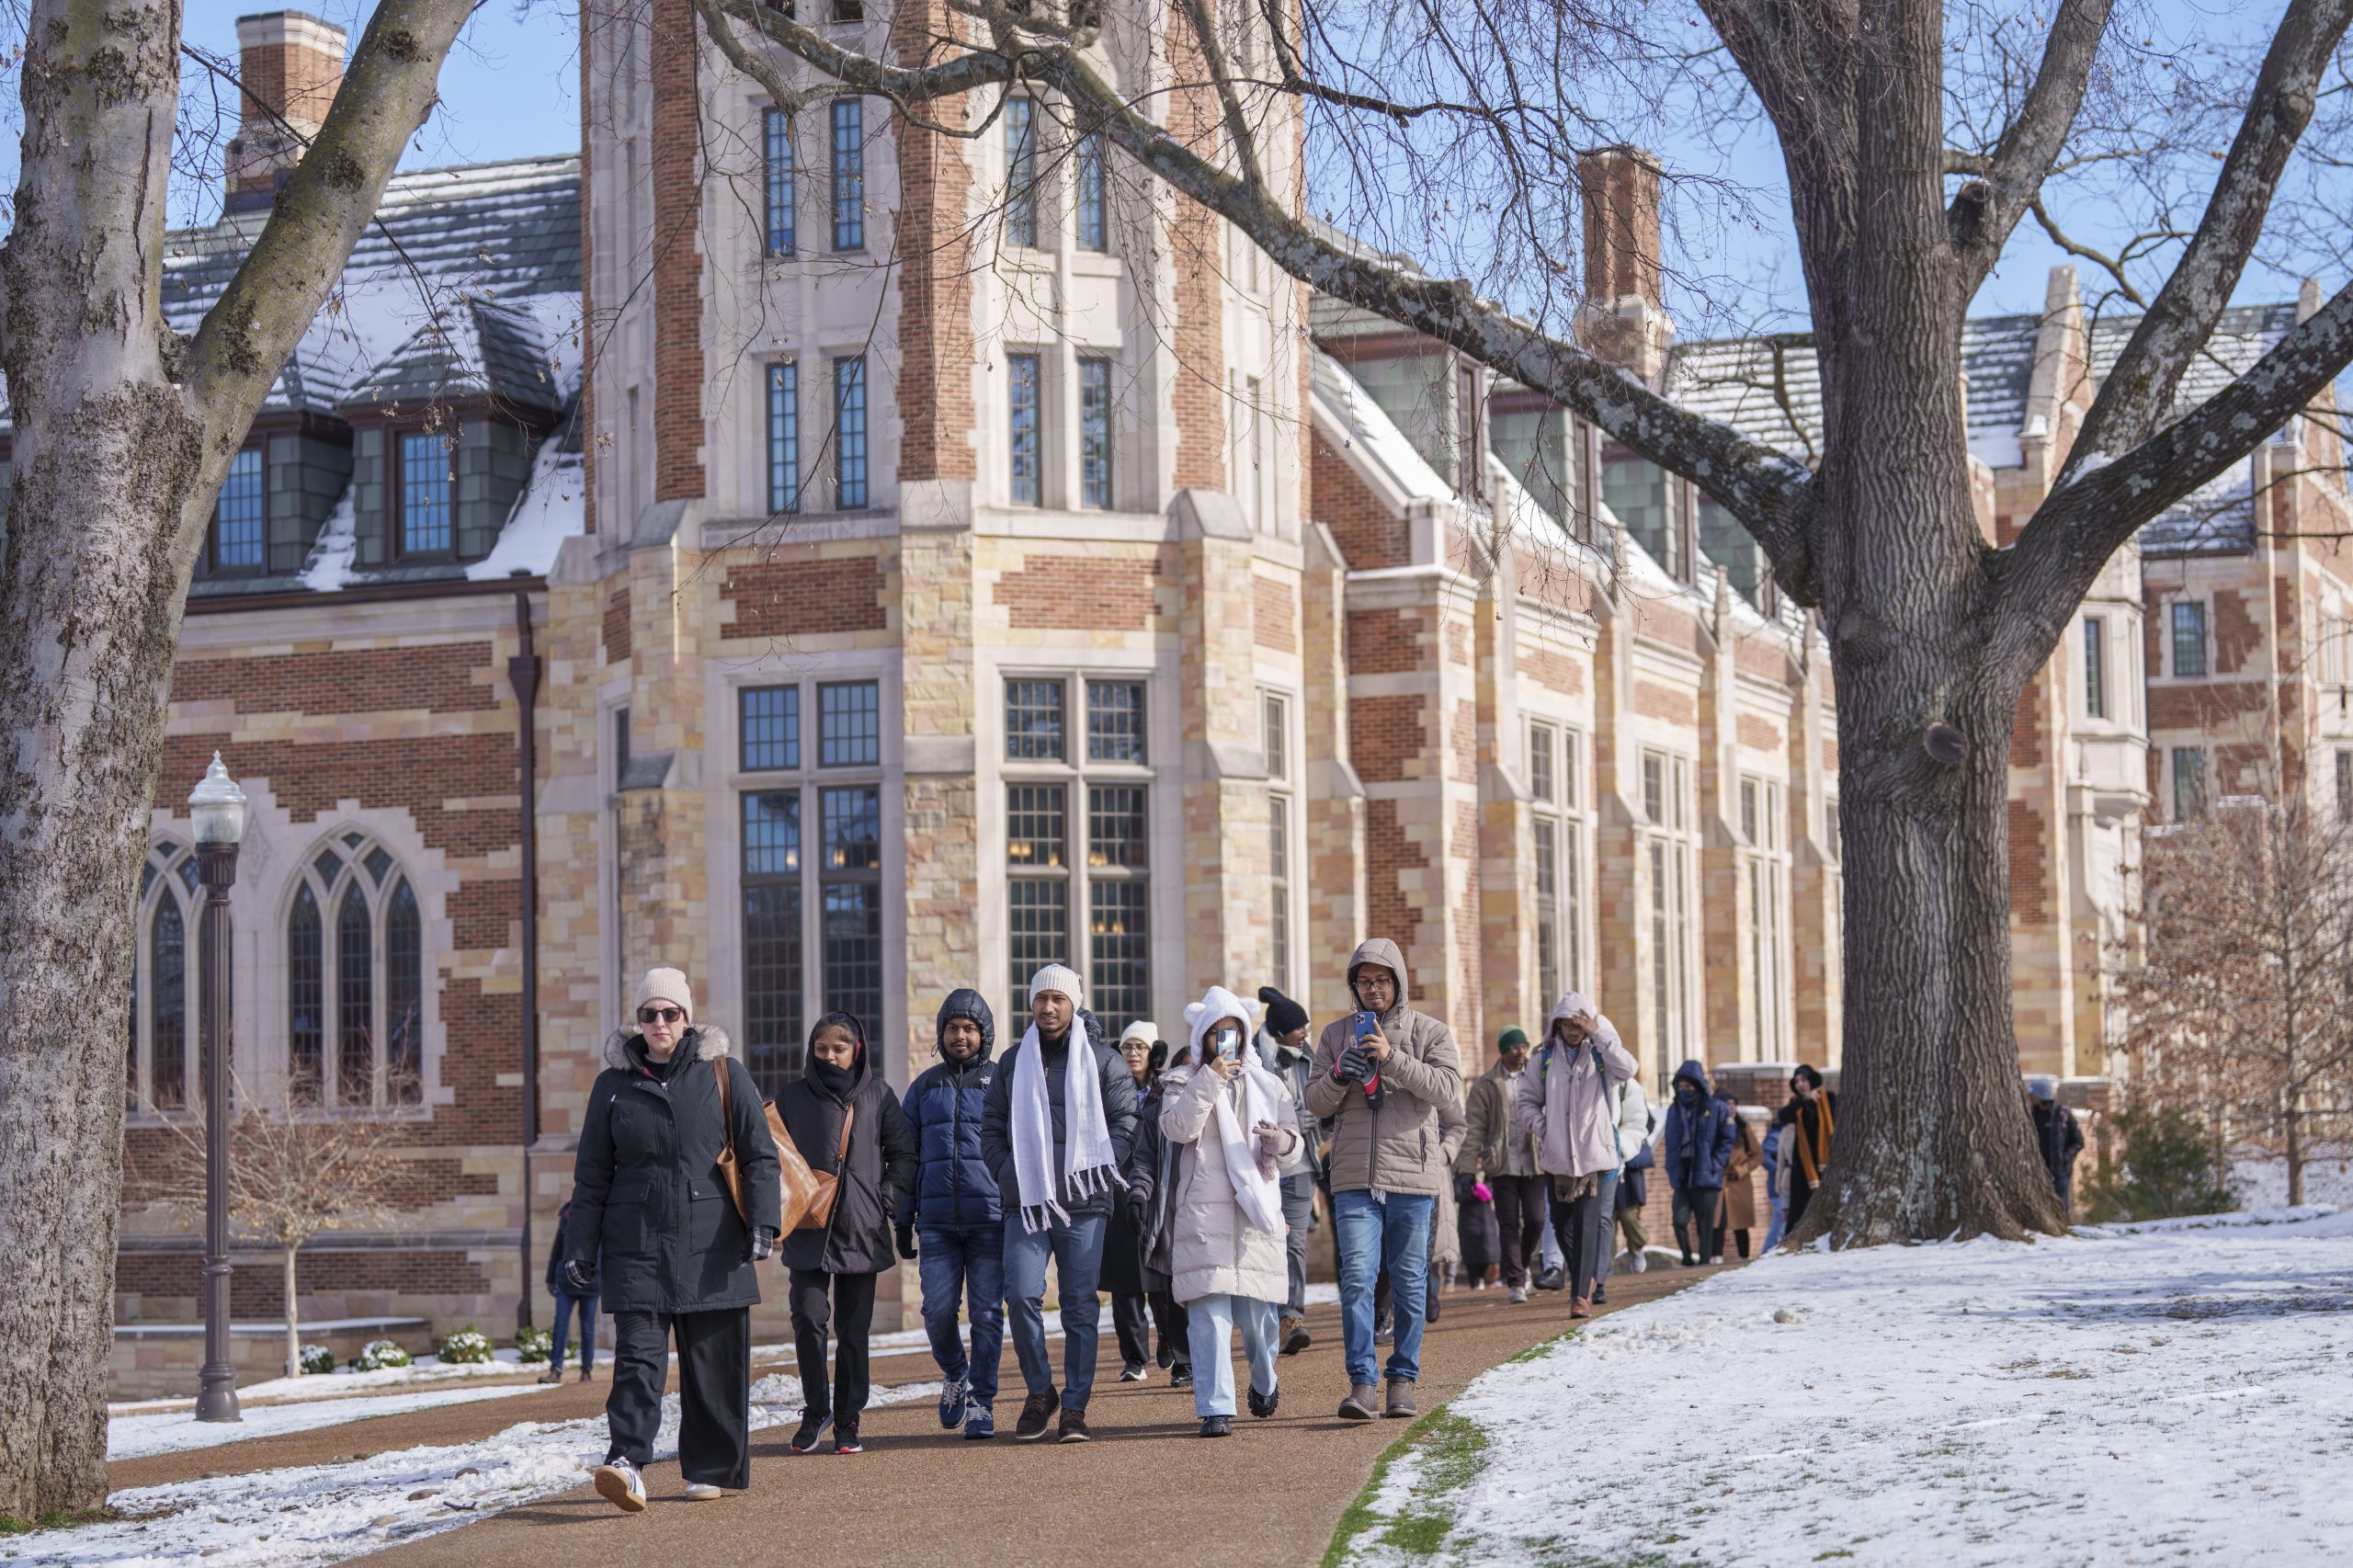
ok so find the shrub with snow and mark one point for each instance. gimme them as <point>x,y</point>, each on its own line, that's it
<point>532,1343</point>
<point>468,1346</point>
<point>379,1354</point>
<point>317,1358</point>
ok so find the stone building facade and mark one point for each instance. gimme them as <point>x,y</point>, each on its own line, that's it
<point>944,555</point>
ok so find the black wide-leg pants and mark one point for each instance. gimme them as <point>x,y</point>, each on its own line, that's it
<point>714,1392</point>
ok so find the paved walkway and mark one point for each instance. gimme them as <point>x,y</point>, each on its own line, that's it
<point>1146,1490</point>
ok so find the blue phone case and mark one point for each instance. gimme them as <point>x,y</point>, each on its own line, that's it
<point>1366,1025</point>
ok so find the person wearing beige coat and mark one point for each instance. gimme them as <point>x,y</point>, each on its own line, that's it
<point>1229,1122</point>
<point>1380,1077</point>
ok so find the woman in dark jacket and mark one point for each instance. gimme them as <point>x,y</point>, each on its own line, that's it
<point>842,1097</point>
<point>1122,1273</point>
<point>654,1229</point>
<point>1146,1212</point>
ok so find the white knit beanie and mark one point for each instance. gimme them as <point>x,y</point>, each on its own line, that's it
<point>664,985</point>
<point>1144,1030</point>
<point>1058,977</point>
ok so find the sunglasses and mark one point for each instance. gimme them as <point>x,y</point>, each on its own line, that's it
<point>661,1014</point>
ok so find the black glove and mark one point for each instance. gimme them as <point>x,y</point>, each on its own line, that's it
<point>907,1243</point>
<point>1355,1064</point>
<point>576,1276</point>
<point>763,1243</point>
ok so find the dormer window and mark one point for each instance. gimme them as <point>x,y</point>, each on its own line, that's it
<point>238,544</point>
<point>426,487</point>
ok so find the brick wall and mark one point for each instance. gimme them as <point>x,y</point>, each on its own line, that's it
<point>1196,260</point>
<point>1276,616</point>
<point>448,677</point>
<point>1110,593</point>
<point>616,632</point>
<point>1653,700</point>
<point>805,598</point>
<point>1387,641</point>
<point>1759,735</point>
<point>677,254</point>
<point>1367,533</point>
<point>935,337</point>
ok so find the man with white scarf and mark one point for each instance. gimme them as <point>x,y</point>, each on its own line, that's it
<point>1231,1124</point>
<point>1055,1130</point>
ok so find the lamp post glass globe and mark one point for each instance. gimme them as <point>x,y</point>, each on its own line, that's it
<point>218,807</point>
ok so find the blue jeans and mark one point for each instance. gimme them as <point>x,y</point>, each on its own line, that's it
<point>960,1268</point>
<point>1608,1199</point>
<point>1077,1247</point>
<point>1211,1320</point>
<point>561,1333</point>
<point>1395,1232</point>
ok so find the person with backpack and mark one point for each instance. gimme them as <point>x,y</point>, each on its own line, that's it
<point>1636,1123</point>
<point>1569,1104</point>
<point>2058,1136</point>
<point>1285,1050</point>
<point>566,1301</point>
<point>1700,1140</point>
<point>952,1206</point>
<point>1150,1161</point>
<point>1056,1130</point>
<point>1504,1164</point>
<point>1122,1277</point>
<point>1807,1121</point>
<point>656,1230</point>
<point>844,1118</point>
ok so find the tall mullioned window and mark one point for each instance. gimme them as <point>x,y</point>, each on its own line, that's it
<point>784,437</point>
<point>2094,667</point>
<point>1095,433</point>
<point>240,514</point>
<point>2189,637</point>
<point>795,968</point>
<point>1094,195</point>
<point>1078,829</point>
<point>849,176</point>
<point>849,433</point>
<point>428,482</point>
<point>1022,408</point>
<point>1558,837</point>
<point>1020,172</point>
<point>777,148</point>
<point>355,979</point>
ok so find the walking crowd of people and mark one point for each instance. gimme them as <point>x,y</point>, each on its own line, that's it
<point>1181,1179</point>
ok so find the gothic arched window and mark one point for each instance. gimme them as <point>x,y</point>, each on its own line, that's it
<point>355,974</point>
<point>162,1073</point>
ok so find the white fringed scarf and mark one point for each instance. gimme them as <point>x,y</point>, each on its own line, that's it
<point>1089,1165</point>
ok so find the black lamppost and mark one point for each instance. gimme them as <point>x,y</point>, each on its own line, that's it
<point>217,809</point>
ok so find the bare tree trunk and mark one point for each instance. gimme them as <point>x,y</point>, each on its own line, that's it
<point>107,458</point>
<point>294,1319</point>
<point>121,431</point>
<point>2295,1150</point>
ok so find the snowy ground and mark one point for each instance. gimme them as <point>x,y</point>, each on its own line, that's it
<point>325,1513</point>
<point>135,1437</point>
<point>2134,1394</point>
<point>339,1384</point>
<point>2259,1182</point>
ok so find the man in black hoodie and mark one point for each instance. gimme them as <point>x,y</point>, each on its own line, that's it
<point>1069,1211</point>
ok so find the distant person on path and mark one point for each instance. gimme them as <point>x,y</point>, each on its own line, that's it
<point>1776,1191</point>
<point>951,1222</point>
<point>1808,1122</point>
<point>844,1118</point>
<point>566,1299</point>
<point>1284,1050</point>
<point>1634,1191</point>
<point>1635,1125</point>
<point>1569,1106</point>
<point>1739,1215</point>
<point>1122,1276</point>
<point>1230,1122</point>
<point>1056,1130</point>
<point>2059,1135</point>
<point>1380,1076</point>
<point>1700,1141</point>
<point>1505,1162</point>
<point>655,1231</point>
<point>1151,1163</point>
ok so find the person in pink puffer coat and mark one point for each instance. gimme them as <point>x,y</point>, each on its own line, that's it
<point>1568,1102</point>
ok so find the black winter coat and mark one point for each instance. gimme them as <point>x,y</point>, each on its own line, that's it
<point>881,1167</point>
<point>1149,1165</point>
<point>1119,1116</point>
<point>649,1214</point>
<point>1123,1237</point>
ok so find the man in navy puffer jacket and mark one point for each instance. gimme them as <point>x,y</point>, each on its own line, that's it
<point>954,1208</point>
<point>1700,1132</point>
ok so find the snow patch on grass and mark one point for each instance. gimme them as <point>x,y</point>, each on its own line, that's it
<point>136,1437</point>
<point>2161,1391</point>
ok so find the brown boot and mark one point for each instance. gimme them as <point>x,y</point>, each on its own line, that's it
<point>1401,1399</point>
<point>1360,1404</point>
<point>1580,1307</point>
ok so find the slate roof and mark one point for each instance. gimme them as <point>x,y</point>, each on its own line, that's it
<point>467,284</point>
<point>1770,389</point>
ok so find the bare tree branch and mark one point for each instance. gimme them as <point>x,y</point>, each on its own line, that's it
<point>2108,264</point>
<point>2014,174</point>
<point>2138,391</point>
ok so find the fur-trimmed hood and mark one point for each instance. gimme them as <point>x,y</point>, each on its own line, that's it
<point>709,1040</point>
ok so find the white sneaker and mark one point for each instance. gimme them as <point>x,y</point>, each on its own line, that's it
<point>703,1492</point>
<point>1639,1262</point>
<point>618,1483</point>
<point>1718,1258</point>
<point>1519,1292</point>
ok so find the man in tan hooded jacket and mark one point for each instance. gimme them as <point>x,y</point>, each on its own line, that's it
<point>1379,1076</point>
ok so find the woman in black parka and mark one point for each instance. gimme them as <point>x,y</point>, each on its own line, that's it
<point>653,1226</point>
<point>844,1259</point>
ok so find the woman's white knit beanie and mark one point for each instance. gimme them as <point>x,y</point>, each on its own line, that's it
<point>664,985</point>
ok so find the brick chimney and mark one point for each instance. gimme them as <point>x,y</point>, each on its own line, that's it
<point>289,63</point>
<point>1623,318</point>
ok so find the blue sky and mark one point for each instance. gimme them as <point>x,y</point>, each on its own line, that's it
<point>511,89</point>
